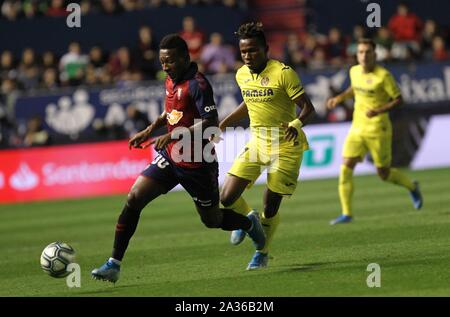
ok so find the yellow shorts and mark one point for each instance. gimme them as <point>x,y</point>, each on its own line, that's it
<point>283,166</point>
<point>380,147</point>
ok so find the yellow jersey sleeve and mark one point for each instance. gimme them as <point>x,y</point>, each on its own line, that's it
<point>291,83</point>
<point>390,86</point>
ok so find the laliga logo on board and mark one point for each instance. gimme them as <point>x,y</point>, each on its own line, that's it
<point>68,118</point>
<point>24,178</point>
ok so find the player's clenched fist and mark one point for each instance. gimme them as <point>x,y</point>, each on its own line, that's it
<point>332,103</point>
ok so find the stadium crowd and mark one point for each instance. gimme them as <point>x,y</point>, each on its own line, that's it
<point>30,9</point>
<point>405,38</point>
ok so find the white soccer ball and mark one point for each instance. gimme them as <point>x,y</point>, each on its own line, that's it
<point>56,257</point>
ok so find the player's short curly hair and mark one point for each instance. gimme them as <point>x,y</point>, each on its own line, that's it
<point>174,41</point>
<point>252,30</point>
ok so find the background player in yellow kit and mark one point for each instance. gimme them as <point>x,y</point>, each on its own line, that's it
<point>271,91</point>
<point>376,93</point>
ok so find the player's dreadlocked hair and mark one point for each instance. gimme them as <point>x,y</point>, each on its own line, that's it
<point>174,41</point>
<point>252,30</point>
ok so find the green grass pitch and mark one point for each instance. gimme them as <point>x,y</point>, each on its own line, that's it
<point>173,254</point>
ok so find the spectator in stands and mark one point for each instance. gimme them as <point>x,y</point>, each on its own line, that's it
<point>6,126</point>
<point>136,121</point>
<point>72,65</point>
<point>132,5</point>
<point>336,47</point>
<point>359,32</point>
<point>49,79</point>
<point>121,68</point>
<point>440,53</point>
<point>318,60</point>
<point>309,46</point>
<point>177,3</point>
<point>11,9</point>
<point>57,9</point>
<point>110,7</point>
<point>97,57</point>
<point>293,55</point>
<point>49,60</point>
<point>8,85</point>
<point>217,57</point>
<point>28,73</point>
<point>235,4</point>
<point>31,9</point>
<point>87,7</point>
<point>193,37</point>
<point>96,71</point>
<point>384,42</point>
<point>146,53</point>
<point>7,67</point>
<point>36,135</point>
<point>154,3</point>
<point>430,30</point>
<point>406,28</point>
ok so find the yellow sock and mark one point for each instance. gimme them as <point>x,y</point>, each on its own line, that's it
<point>346,189</point>
<point>398,178</point>
<point>240,206</point>
<point>270,225</point>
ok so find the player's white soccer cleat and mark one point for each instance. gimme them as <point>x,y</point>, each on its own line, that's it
<point>107,272</point>
<point>237,236</point>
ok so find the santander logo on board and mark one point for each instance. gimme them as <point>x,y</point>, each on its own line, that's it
<point>24,178</point>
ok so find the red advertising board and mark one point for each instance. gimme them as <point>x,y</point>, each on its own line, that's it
<point>70,171</point>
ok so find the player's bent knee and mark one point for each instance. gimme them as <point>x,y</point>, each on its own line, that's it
<point>134,201</point>
<point>211,217</point>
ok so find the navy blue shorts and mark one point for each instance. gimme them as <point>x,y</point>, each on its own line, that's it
<point>201,183</point>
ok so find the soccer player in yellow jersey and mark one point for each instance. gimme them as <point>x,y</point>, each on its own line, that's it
<point>376,93</point>
<point>271,92</point>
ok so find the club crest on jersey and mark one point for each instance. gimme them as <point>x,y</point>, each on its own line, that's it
<point>179,92</point>
<point>265,81</point>
<point>174,116</point>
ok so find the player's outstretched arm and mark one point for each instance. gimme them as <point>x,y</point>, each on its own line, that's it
<point>139,138</point>
<point>238,114</point>
<point>333,102</point>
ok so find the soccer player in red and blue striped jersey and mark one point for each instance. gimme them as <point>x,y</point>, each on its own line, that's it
<point>189,110</point>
